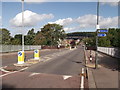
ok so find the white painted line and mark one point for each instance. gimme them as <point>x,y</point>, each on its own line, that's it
<point>33,74</point>
<point>66,77</point>
<point>82,80</point>
<point>12,72</point>
<point>8,73</point>
<point>4,70</point>
<point>23,69</point>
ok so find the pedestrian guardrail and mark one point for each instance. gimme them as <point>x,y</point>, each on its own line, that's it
<point>115,52</point>
<point>11,48</point>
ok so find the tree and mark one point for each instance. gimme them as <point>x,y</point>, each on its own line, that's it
<point>17,40</point>
<point>51,34</point>
<point>40,39</point>
<point>5,36</point>
<point>29,38</point>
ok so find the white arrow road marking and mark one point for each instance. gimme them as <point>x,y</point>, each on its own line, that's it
<point>33,74</point>
<point>66,77</point>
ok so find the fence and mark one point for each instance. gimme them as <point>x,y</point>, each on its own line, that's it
<point>11,48</point>
<point>115,52</point>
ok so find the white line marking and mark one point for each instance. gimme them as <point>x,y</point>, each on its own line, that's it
<point>12,72</point>
<point>66,77</point>
<point>82,80</point>
<point>4,70</point>
<point>8,73</point>
<point>33,74</point>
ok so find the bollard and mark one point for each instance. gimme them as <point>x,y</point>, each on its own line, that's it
<point>20,57</point>
<point>36,54</point>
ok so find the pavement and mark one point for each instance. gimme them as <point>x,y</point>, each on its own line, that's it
<point>106,75</point>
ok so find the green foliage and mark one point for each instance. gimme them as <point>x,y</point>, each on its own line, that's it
<point>51,33</point>
<point>111,40</point>
<point>5,36</point>
<point>17,40</point>
<point>29,38</point>
<point>89,41</point>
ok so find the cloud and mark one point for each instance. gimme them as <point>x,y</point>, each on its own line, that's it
<point>89,21</point>
<point>68,29</point>
<point>63,22</point>
<point>109,22</point>
<point>30,18</point>
<point>110,3</point>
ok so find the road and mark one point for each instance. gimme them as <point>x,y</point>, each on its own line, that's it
<point>62,70</point>
<point>10,58</point>
<point>67,64</point>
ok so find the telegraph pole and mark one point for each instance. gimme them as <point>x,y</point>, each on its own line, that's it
<point>97,27</point>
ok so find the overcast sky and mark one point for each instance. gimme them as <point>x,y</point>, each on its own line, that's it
<point>74,16</point>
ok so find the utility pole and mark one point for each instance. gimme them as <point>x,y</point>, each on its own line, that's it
<point>22,25</point>
<point>97,27</point>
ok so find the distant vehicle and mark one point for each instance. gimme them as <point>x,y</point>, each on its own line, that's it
<point>73,44</point>
<point>83,45</point>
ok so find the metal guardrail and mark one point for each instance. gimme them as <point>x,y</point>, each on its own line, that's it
<point>11,48</point>
<point>115,52</point>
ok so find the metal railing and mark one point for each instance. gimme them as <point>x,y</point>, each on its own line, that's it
<point>115,52</point>
<point>12,48</point>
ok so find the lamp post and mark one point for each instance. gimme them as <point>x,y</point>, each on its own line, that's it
<point>22,25</point>
<point>97,27</point>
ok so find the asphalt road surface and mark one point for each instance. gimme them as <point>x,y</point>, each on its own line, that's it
<point>70,63</point>
<point>10,58</point>
<point>60,69</point>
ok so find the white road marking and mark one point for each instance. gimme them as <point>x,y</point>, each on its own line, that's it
<point>66,77</point>
<point>33,74</point>
<point>13,72</point>
<point>4,70</point>
<point>82,80</point>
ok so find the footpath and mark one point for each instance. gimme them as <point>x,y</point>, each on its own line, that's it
<point>106,75</point>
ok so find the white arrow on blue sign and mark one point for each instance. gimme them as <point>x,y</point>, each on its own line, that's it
<point>103,30</point>
<point>36,51</point>
<point>19,53</point>
<point>101,35</point>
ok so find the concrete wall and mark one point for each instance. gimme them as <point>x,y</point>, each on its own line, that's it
<point>115,52</point>
<point>11,48</point>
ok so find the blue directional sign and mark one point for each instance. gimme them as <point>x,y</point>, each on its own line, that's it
<point>103,30</point>
<point>101,35</point>
<point>19,53</point>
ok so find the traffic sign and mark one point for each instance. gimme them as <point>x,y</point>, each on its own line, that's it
<point>36,51</point>
<point>103,30</point>
<point>101,35</point>
<point>19,53</point>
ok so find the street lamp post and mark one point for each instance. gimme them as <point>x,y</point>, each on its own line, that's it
<point>97,27</point>
<point>22,25</point>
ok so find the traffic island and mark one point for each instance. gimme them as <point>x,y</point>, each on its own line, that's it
<point>17,67</point>
<point>13,68</point>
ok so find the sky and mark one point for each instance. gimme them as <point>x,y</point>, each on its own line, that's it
<point>74,16</point>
